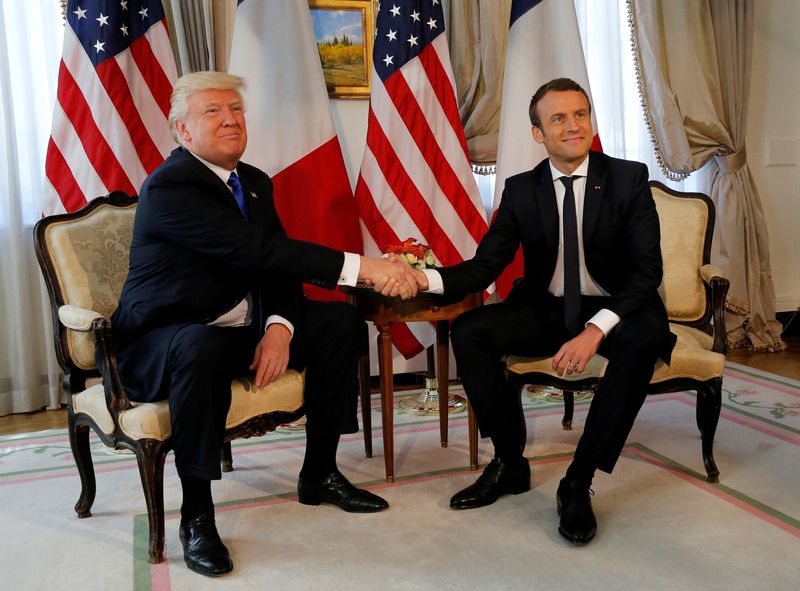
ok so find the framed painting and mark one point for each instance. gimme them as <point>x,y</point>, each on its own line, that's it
<point>343,30</point>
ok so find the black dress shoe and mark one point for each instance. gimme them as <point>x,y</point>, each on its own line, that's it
<point>577,522</point>
<point>203,549</point>
<point>337,490</point>
<point>498,478</point>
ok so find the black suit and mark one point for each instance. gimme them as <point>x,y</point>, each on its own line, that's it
<point>194,257</point>
<point>621,241</point>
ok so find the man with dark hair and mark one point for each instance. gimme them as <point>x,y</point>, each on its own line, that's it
<point>215,291</point>
<point>590,237</point>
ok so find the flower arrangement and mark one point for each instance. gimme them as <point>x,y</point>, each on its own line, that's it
<point>416,254</point>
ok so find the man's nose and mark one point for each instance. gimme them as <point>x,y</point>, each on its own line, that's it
<point>228,117</point>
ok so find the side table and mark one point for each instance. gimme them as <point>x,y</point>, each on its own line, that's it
<point>384,311</point>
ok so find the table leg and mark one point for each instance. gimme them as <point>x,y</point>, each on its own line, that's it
<point>473,438</point>
<point>443,375</point>
<point>364,389</point>
<point>387,396</point>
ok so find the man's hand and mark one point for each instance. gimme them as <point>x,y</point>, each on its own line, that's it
<point>272,354</point>
<point>391,276</point>
<point>422,280</point>
<point>574,355</point>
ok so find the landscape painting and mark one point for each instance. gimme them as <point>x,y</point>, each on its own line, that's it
<point>343,32</point>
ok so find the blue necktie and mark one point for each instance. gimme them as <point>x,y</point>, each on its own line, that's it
<point>572,282</point>
<point>238,193</point>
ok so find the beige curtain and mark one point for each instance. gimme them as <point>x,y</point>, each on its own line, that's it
<point>201,33</point>
<point>693,64</point>
<point>477,32</point>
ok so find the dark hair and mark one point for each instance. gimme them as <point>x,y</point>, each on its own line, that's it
<point>557,85</point>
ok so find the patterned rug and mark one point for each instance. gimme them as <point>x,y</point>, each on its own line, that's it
<point>661,526</point>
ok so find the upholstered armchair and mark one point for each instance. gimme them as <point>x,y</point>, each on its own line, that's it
<point>694,294</point>
<point>84,259</point>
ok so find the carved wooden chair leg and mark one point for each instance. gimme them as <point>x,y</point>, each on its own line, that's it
<point>569,409</point>
<point>79,442</point>
<point>227,457</point>
<point>151,456</point>
<point>709,405</point>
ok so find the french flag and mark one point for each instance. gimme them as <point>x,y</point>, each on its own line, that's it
<point>291,135</point>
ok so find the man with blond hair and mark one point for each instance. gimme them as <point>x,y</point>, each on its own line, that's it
<point>215,291</point>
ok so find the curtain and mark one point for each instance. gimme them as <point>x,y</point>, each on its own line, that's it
<point>477,32</point>
<point>29,373</point>
<point>693,62</point>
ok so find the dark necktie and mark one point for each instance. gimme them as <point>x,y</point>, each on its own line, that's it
<point>572,282</point>
<point>238,193</point>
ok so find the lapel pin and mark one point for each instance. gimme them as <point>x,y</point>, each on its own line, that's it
<point>253,195</point>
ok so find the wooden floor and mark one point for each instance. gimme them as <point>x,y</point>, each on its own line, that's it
<point>785,363</point>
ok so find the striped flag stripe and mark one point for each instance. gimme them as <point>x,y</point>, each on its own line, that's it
<point>413,166</point>
<point>443,87</point>
<point>372,183</point>
<point>67,142</point>
<point>103,113</point>
<point>152,116</point>
<point>79,113</point>
<point>150,53</point>
<point>56,167</point>
<point>406,191</point>
<point>110,119</point>
<point>113,80</point>
<point>426,140</point>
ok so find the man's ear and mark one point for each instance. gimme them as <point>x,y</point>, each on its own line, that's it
<point>537,134</point>
<point>183,132</point>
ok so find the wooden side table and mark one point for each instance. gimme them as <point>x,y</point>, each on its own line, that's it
<point>384,311</point>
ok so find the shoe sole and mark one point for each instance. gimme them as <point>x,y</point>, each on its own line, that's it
<point>315,502</point>
<point>515,491</point>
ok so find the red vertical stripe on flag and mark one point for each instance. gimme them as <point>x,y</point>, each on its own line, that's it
<point>57,168</point>
<point>152,73</point>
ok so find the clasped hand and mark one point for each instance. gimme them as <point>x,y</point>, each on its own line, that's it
<point>390,276</point>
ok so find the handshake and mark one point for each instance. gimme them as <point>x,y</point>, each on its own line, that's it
<point>392,276</point>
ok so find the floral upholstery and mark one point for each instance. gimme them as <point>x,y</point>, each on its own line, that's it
<point>90,258</point>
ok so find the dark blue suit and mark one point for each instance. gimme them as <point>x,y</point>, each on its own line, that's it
<point>194,257</point>
<point>621,241</point>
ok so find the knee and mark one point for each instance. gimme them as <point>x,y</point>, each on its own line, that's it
<point>465,332</point>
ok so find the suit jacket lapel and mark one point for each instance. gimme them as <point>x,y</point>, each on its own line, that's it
<point>546,202</point>
<point>593,196</point>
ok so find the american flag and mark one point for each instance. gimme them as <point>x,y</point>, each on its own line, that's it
<point>416,179</point>
<point>110,119</point>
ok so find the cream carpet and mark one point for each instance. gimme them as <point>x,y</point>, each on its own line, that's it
<point>661,526</point>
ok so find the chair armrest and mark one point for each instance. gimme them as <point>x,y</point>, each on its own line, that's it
<point>718,287</point>
<point>116,399</point>
<point>708,272</point>
<point>77,318</point>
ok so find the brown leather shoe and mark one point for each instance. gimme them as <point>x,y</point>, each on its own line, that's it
<point>203,550</point>
<point>499,478</point>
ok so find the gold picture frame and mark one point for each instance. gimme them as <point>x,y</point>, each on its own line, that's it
<point>344,30</point>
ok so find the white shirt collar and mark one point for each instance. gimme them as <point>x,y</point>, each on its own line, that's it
<point>582,170</point>
<point>221,172</point>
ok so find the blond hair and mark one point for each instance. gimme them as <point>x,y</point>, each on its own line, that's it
<point>188,84</point>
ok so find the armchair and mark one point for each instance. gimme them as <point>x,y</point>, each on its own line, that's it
<point>84,259</point>
<point>694,294</point>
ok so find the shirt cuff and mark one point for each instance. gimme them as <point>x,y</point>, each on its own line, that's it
<point>435,283</point>
<point>275,319</point>
<point>350,269</point>
<point>605,320</point>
